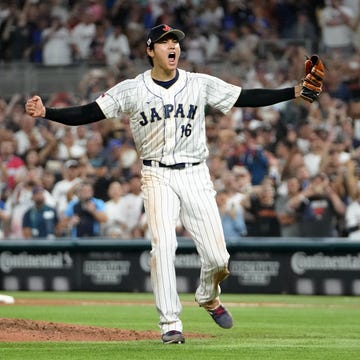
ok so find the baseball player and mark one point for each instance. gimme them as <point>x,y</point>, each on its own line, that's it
<point>166,106</point>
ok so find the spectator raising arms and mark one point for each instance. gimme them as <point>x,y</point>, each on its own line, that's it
<point>84,215</point>
<point>40,221</point>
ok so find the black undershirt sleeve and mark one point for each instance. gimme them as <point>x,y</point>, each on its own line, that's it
<point>76,115</point>
<point>89,113</point>
<point>263,97</point>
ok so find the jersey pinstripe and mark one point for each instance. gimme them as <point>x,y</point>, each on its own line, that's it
<point>168,124</point>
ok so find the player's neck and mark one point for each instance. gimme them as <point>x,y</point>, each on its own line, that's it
<point>162,75</point>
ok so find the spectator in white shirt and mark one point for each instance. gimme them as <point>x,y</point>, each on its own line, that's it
<point>71,178</point>
<point>133,204</point>
<point>116,48</point>
<point>56,44</point>
<point>28,136</point>
<point>82,36</point>
<point>335,21</point>
<point>115,226</point>
<point>352,217</point>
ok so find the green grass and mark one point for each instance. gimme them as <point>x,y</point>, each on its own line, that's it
<point>266,327</point>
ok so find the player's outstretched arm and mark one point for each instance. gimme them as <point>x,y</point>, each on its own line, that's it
<point>74,115</point>
<point>265,97</point>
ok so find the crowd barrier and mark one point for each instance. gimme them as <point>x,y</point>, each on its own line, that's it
<point>257,265</point>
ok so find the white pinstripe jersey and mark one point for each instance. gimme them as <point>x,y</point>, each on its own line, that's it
<point>168,125</point>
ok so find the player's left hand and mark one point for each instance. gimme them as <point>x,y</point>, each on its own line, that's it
<point>314,76</point>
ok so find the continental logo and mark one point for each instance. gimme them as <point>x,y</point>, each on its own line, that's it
<point>302,262</point>
<point>24,260</point>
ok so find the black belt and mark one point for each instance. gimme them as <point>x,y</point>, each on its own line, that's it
<point>177,166</point>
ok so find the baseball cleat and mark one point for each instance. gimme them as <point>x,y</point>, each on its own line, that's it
<point>221,316</point>
<point>173,337</point>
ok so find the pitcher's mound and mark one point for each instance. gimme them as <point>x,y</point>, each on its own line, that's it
<point>30,330</point>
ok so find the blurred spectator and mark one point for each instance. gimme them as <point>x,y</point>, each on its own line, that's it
<point>38,25</point>
<point>260,214</point>
<point>40,220</point>
<point>212,134</point>
<point>120,11</point>
<point>82,136</point>
<point>135,30</point>
<point>283,151</point>
<point>85,214</point>
<point>286,13</point>
<point>60,8</point>
<point>56,44</point>
<point>303,30</point>
<point>302,174</point>
<point>20,199</point>
<point>232,218</point>
<point>218,166</point>
<point>69,147</point>
<point>133,206</point>
<point>319,207</point>
<point>113,161</point>
<point>93,84</point>
<point>48,181</point>
<point>97,9</point>
<point>71,178</point>
<point>210,17</point>
<point>255,159</point>
<point>4,219</point>
<point>352,217</point>
<point>82,35</point>
<point>95,158</point>
<point>195,45</point>
<point>245,45</point>
<point>32,161</point>
<point>340,169</point>
<point>96,48</point>
<point>128,158</point>
<point>335,20</point>
<point>12,166</point>
<point>338,89</point>
<point>95,152</point>
<point>115,226</point>
<point>7,26</point>
<point>116,48</point>
<point>19,43</point>
<point>242,184</point>
<point>287,216</point>
<point>313,158</point>
<point>260,21</point>
<point>237,13</point>
<point>28,136</point>
<point>165,14</point>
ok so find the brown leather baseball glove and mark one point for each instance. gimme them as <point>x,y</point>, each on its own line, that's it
<point>314,76</point>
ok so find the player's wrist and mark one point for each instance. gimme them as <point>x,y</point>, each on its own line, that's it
<point>43,112</point>
<point>297,91</point>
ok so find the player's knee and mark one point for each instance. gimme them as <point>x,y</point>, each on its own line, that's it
<point>218,262</point>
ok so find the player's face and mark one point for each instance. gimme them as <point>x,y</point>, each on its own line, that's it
<point>166,53</point>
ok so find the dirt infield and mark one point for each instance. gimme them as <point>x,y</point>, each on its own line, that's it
<point>17,330</point>
<point>29,330</point>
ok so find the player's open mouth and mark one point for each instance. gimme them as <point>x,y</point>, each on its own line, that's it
<point>171,58</point>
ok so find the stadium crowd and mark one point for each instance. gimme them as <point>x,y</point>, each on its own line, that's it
<point>292,169</point>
